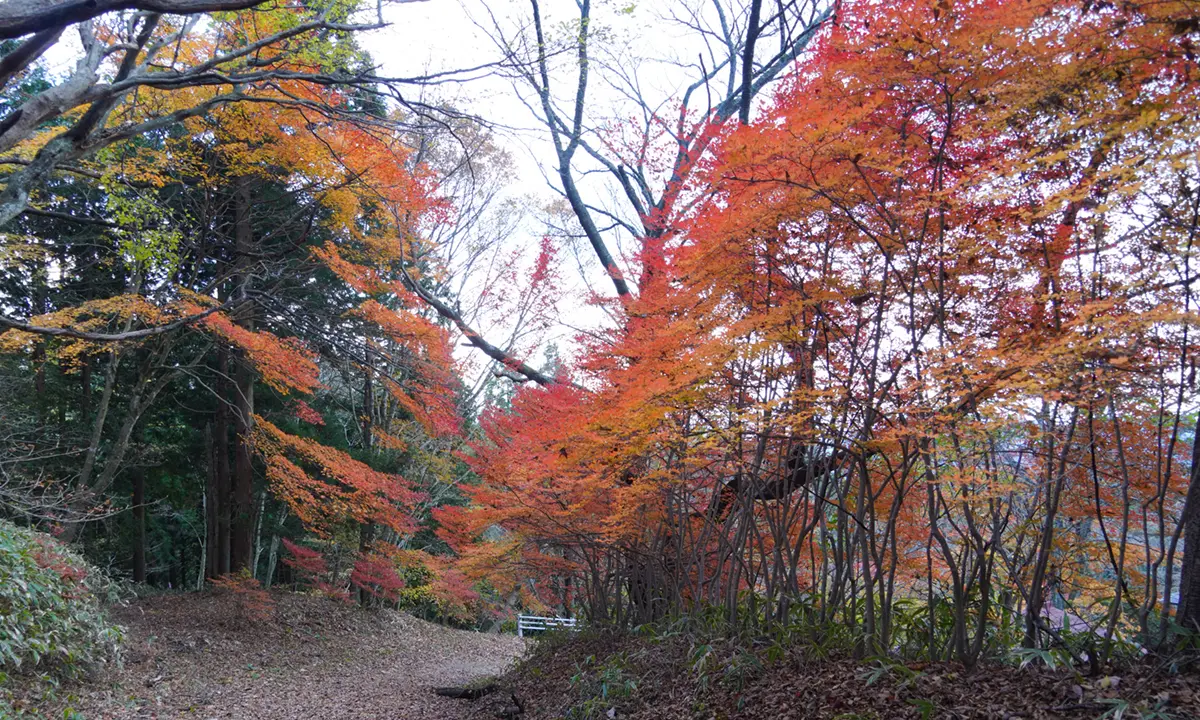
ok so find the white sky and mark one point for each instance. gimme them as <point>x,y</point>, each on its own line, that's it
<point>442,35</point>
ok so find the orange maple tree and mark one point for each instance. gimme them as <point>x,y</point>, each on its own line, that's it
<point>927,335</point>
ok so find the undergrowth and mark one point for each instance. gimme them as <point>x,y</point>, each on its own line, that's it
<point>725,669</point>
<point>53,627</point>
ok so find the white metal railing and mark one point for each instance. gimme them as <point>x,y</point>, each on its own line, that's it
<point>537,622</point>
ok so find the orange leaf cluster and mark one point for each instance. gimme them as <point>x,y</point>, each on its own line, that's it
<point>324,486</point>
<point>285,364</point>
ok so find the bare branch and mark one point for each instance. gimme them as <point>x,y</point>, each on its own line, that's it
<point>24,17</point>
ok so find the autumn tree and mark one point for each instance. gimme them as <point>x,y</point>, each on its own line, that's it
<point>211,274</point>
<point>148,69</point>
<point>926,334</point>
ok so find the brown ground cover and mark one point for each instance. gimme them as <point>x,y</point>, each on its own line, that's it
<point>671,679</point>
<point>200,656</point>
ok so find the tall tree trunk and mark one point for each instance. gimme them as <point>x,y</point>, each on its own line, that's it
<point>1189,585</point>
<point>85,380</point>
<point>273,553</point>
<point>208,503</point>
<point>1055,480</point>
<point>366,533</point>
<point>83,484</point>
<point>183,563</point>
<point>139,525</point>
<point>259,517</point>
<point>242,490</point>
<point>39,378</point>
<point>241,526</point>
<point>89,457</point>
<point>221,456</point>
<point>206,542</point>
<point>84,491</point>
<point>368,408</point>
<point>41,305</point>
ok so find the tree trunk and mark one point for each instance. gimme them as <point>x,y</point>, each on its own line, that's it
<point>259,517</point>
<point>368,409</point>
<point>89,458</point>
<point>366,533</point>
<point>139,402</point>
<point>1189,585</point>
<point>221,457</point>
<point>40,307</point>
<point>205,512</point>
<point>183,563</point>
<point>139,525</point>
<point>273,554</point>
<point>1055,481</point>
<point>39,378</point>
<point>85,380</point>
<point>242,489</point>
<point>241,526</point>
<point>83,484</point>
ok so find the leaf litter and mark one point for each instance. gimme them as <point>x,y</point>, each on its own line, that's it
<point>199,656</point>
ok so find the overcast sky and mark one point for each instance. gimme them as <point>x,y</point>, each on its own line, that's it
<point>441,35</point>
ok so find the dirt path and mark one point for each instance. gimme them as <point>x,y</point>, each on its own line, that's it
<point>197,656</point>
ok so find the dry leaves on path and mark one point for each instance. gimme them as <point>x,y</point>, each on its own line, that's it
<point>196,656</point>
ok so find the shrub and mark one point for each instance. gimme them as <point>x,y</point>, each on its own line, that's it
<point>253,601</point>
<point>602,687</point>
<point>376,575</point>
<point>51,620</point>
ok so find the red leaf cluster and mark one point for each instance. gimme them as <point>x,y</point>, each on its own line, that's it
<point>375,574</point>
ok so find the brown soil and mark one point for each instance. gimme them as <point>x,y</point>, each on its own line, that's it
<point>200,656</point>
